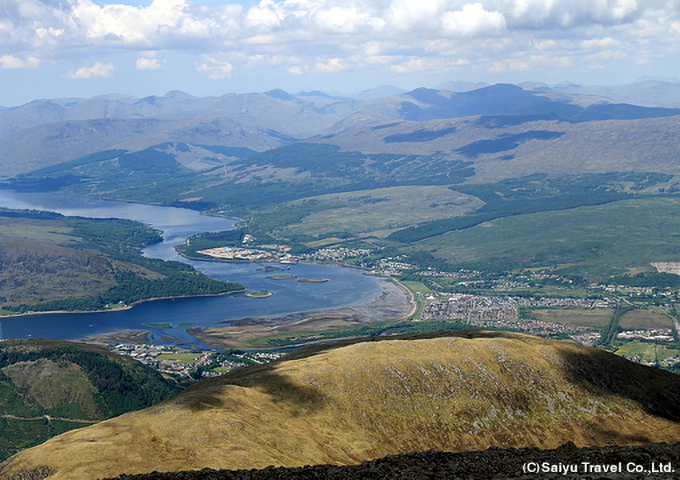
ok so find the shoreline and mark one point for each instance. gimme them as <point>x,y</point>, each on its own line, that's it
<point>386,306</point>
<point>395,302</point>
<point>126,307</point>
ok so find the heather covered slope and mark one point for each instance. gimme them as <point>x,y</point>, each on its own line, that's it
<point>342,404</point>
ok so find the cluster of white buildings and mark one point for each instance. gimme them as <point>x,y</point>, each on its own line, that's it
<point>239,254</point>
<point>148,354</point>
<point>655,335</point>
<point>337,254</point>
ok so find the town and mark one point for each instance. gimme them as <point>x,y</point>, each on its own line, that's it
<point>192,363</point>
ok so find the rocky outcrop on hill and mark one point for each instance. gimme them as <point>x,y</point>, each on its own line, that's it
<point>657,461</point>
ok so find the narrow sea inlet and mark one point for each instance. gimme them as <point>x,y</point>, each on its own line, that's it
<point>343,286</point>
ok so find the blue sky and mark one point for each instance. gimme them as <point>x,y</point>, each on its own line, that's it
<point>81,48</point>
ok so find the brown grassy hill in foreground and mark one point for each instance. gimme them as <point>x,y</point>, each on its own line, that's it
<point>345,403</point>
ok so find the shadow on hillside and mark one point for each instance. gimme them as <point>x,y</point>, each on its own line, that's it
<point>301,399</point>
<point>602,373</point>
<point>615,437</point>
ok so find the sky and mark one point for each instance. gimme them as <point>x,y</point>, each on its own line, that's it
<point>83,48</point>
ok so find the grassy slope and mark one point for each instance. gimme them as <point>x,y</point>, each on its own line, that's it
<point>377,212</point>
<point>343,404</point>
<point>595,240</point>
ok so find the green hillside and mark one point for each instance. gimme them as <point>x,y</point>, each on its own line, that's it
<point>48,387</point>
<point>51,262</point>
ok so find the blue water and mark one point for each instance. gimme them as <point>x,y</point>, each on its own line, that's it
<point>346,286</point>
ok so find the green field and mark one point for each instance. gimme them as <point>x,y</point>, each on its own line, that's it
<point>647,352</point>
<point>178,357</point>
<point>577,317</point>
<point>416,288</point>
<point>378,212</point>
<point>645,319</point>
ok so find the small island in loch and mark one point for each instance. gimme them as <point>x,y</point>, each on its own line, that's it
<point>257,294</point>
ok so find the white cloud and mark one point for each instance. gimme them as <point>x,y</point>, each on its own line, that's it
<point>127,24</point>
<point>265,17</point>
<point>266,60</point>
<point>600,43</point>
<point>412,15</point>
<point>382,36</point>
<point>383,59</point>
<point>148,64</point>
<point>98,70</point>
<point>181,24</point>
<point>332,66</point>
<point>545,45</point>
<point>217,69</point>
<point>603,56</point>
<point>533,14</point>
<point>412,65</point>
<point>473,19</point>
<point>10,62</point>
<point>346,20</point>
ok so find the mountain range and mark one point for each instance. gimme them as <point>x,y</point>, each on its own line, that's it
<point>46,132</point>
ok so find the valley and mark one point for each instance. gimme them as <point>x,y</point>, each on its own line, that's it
<point>582,197</point>
<point>380,236</point>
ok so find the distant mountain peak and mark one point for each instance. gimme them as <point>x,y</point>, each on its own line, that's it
<point>314,93</point>
<point>176,94</point>
<point>460,86</point>
<point>648,78</point>
<point>566,84</point>
<point>280,94</point>
<point>379,92</point>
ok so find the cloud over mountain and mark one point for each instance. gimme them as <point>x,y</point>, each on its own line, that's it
<point>496,36</point>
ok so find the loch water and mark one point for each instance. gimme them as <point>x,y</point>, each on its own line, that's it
<point>345,286</point>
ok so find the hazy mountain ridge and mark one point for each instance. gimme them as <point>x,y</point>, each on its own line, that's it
<point>424,104</point>
<point>54,143</point>
<point>513,146</point>
<point>265,110</point>
<point>45,132</point>
<point>646,92</point>
<point>342,404</point>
